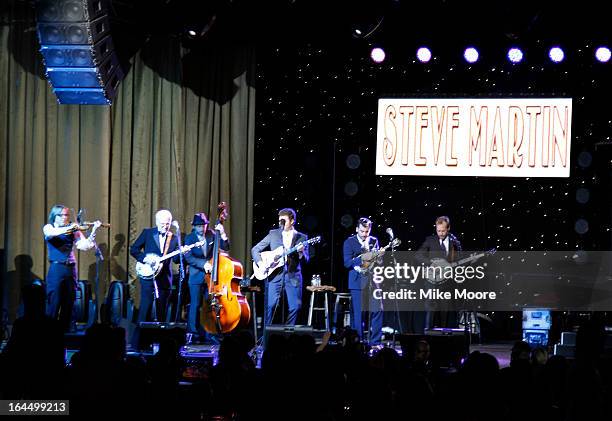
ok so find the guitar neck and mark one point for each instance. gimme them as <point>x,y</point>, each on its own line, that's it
<point>169,255</point>
<point>294,248</point>
<point>468,259</point>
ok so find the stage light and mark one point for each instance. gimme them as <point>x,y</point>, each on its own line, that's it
<point>582,195</point>
<point>424,54</point>
<point>377,55</point>
<point>556,54</point>
<point>585,159</point>
<point>581,226</point>
<point>191,33</point>
<point>602,54</point>
<point>353,161</point>
<point>471,55</point>
<point>515,55</point>
<point>351,188</point>
<point>346,220</point>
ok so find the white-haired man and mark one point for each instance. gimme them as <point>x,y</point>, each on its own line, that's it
<point>158,241</point>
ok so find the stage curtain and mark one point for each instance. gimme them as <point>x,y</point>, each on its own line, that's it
<point>162,144</point>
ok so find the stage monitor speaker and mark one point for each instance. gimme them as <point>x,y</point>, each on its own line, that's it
<point>288,330</point>
<point>77,49</point>
<point>80,311</point>
<point>115,304</point>
<point>148,333</point>
<point>446,350</point>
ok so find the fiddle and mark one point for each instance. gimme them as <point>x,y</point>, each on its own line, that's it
<point>84,226</point>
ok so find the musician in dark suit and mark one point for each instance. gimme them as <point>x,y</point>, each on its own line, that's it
<point>159,241</point>
<point>198,260</point>
<point>289,276</point>
<point>442,244</point>
<point>356,249</point>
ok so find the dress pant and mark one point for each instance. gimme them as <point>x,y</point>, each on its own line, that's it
<point>374,310</point>
<point>291,283</point>
<point>146,302</point>
<point>196,293</point>
<point>61,292</point>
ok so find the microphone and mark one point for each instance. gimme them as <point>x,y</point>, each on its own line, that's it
<point>175,224</point>
<point>80,216</point>
<point>281,223</point>
<point>390,232</point>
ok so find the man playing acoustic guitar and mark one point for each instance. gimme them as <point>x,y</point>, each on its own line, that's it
<point>289,275</point>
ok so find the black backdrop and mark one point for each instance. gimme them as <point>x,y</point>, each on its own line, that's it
<point>316,112</point>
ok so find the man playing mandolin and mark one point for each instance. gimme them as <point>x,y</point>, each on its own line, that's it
<point>359,252</point>
<point>289,275</point>
<point>151,244</point>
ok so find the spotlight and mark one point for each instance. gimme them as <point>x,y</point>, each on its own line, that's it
<point>470,55</point>
<point>377,55</point>
<point>515,55</point>
<point>191,33</point>
<point>602,54</point>
<point>424,54</point>
<point>556,54</point>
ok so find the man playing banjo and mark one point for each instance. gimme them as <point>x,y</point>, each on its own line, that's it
<point>149,247</point>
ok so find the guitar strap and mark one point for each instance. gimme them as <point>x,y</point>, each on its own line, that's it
<point>167,243</point>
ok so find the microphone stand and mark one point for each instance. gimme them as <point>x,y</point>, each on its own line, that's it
<point>398,321</point>
<point>181,274</point>
<point>99,259</point>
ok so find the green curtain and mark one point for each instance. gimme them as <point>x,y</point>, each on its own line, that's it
<point>163,143</point>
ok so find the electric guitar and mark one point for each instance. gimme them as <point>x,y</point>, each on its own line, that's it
<point>151,270</point>
<point>436,277</point>
<point>367,265</point>
<point>272,260</point>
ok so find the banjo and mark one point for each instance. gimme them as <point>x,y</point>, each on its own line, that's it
<point>151,270</point>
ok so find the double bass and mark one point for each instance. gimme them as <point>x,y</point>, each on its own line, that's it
<point>226,307</point>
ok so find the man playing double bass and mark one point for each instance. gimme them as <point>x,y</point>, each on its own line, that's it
<point>198,261</point>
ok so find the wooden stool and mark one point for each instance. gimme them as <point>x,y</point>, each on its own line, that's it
<point>325,289</point>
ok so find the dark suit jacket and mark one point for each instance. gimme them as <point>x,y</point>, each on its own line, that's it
<point>351,250</point>
<point>200,255</point>
<point>274,239</point>
<point>432,249</point>
<point>148,242</point>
